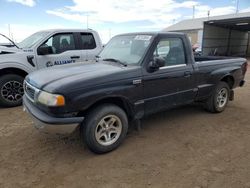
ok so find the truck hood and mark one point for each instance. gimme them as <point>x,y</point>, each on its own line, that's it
<point>4,49</point>
<point>9,50</point>
<point>78,76</point>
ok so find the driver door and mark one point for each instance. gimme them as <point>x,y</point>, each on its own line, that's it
<point>172,84</point>
<point>64,51</point>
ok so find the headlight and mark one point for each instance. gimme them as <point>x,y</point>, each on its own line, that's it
<point>49,99</point>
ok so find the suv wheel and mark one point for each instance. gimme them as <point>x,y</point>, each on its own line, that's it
<point>105,128</point>
<point>11,90</point>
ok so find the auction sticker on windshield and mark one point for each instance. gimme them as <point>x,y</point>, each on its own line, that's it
<point>143,37</point>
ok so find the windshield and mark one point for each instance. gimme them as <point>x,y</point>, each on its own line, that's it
<point>33,39</point>
<point>126,48</point>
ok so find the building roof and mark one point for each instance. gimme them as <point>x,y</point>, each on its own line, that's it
<point>197,23</point>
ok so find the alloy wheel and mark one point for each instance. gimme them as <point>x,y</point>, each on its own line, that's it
<point>108,130</point>
<point>12,91</point>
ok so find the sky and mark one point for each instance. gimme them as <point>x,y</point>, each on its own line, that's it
<point>108,17</point>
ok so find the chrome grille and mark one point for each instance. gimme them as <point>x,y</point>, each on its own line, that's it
<point>30,91</point>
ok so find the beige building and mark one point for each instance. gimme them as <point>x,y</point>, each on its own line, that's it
<point>192,27</point>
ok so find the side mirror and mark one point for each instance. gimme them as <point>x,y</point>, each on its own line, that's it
<point>44,50</point>
<point>157,63</point>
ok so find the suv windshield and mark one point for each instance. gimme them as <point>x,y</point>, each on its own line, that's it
<point>128,49</point>
<point>31,40</point>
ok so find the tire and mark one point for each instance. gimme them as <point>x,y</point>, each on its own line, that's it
<point>218,101</point>
<point>11,90</point>
<point>105,128</point>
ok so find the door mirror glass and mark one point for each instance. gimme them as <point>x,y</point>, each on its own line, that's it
<point>44,50</point>
<point>157,63</point>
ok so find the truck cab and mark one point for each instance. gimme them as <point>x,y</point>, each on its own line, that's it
<point>43,49</point>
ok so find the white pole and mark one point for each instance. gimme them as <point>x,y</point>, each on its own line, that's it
<point>9,30</point>
<point>87,21</point>
<point>109,33</point>
<point>237,6</point>
<point>193,11</point>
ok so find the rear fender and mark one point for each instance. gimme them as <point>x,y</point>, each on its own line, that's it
<point>220,74</point>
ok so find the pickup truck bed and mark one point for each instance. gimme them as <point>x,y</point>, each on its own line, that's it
<point>212,58</point>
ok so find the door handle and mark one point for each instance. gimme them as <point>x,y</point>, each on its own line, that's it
<point>187,74</point>
<point>75,57</point>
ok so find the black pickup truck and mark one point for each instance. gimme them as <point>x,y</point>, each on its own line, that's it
<point>135,75</point>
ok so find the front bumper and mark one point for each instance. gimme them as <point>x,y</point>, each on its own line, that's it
<point>49,124</point>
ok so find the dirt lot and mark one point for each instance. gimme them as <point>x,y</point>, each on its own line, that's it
<point>185,147</point>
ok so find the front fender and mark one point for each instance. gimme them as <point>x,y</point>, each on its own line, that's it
<point>88,98</point>
<point>16,65</point>
<point>125,91</point>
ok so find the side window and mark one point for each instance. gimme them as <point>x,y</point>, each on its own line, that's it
<point>61,43</point>
<point>49,42</point>
<point>88,41</point>
<point>171,50</point>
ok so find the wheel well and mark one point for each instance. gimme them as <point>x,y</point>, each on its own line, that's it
<point>112,100</point>
<point>229,80</point>
<point>13,71</point>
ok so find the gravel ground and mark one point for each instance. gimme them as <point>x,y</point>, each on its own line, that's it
<point>184,147</point>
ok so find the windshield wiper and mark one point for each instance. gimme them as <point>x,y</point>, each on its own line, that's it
<point>116,61</point>
<point>10,40</point>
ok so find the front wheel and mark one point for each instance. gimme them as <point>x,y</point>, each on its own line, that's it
<point>105,128</point>
<point>11,90</point>
<point>217,102</point>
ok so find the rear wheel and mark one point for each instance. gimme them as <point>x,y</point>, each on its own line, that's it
<point>11,90</point>
<point>105,128</point>
<point>217,102</point>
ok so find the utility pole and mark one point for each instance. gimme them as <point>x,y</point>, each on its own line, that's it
<point>109,33</point>
<point>237,6</point>
<point>193,11</point>
<point>208,14</point>
<point>12,38</point>
<point>9,31</point>
<point>10,34</point>
<point>87,21</point>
